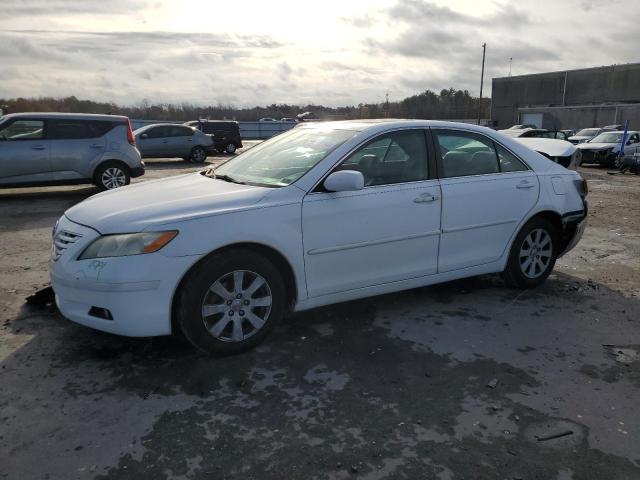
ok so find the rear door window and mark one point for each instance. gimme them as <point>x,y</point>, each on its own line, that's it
<point>157,132</point>
<point>468,153</point>
<point>180,132</point>
<point>23,129</point>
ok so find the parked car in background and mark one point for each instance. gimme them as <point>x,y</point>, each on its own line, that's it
<point>604,149</point>
<point>167,140</point>
<point>543,133</point>
<point>514,132</point>
<point>267,119</point>
<point>67,148</point>
<point>226,133</point>
<point>320,214</point>
<point>585,135</point>
<point>560,151</point>
<point>288,120</point>
<point>569,133</point>
<point>522,126</point>
<point>616,126</point>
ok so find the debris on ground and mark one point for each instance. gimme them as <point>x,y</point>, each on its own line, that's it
<point>493,383</point>
<point>553,436</point>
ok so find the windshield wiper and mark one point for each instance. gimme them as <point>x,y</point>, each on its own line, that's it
<point>211,173</point>
<point>227,178</point>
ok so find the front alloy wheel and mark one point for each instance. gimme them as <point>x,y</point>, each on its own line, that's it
<point>198,155</point>
<point>230,301</point>
<point>236,306</point>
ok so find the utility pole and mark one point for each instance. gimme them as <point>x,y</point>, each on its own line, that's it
<point>386,105</point>
<point>484,51</point>
<point>510,62</point>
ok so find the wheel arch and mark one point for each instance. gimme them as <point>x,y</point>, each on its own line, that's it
<point>272,254</point>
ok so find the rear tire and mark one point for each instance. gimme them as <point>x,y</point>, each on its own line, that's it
<point>230,302</point>
<point>231,148</point>
<point>111,175</point>
<point>533,254</point>
<point>198,155</point>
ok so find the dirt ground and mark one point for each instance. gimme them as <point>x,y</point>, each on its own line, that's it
<point>466,380</point>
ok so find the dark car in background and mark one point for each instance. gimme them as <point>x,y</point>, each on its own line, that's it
<point>226,134</point>
<point>166,140</point>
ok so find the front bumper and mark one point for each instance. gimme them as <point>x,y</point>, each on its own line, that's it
<point>136,291</point>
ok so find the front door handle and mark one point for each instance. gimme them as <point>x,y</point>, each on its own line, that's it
<point>525,184</point>
<point>426,198</point>
<point>39,147</point>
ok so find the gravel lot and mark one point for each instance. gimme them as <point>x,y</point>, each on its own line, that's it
<point>466,380</point>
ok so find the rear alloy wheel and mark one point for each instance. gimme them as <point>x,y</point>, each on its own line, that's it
<point>112,175</point>
<point>231,148</point>
<point>230,302</point>
<point>533,254</point>
<point>198,155</point>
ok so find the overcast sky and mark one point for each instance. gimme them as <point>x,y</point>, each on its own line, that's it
<point>333,52</point>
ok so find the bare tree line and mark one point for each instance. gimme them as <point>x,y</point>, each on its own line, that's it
<point>448,104</point>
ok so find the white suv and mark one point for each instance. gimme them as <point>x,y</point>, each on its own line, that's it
<point>323,213</point>
<point>62,148</point>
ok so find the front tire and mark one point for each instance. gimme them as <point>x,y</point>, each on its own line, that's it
<point>111,175</point>
<point>231,148</point>
<point>198,155</point>
<point>533,254</point>
<point>230,302</point>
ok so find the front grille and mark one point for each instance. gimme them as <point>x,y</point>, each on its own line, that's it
<point>61,242</point>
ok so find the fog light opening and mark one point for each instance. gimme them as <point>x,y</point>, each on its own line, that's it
<point>100,312</point>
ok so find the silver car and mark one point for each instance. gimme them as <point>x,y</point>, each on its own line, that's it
<point>63,148</point>
<point>167,140</point>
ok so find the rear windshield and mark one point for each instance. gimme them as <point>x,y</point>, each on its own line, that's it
<point>587,132</point>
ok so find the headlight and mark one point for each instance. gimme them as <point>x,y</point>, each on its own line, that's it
<point>121,245</point>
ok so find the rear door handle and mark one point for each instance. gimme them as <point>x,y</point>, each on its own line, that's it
<point>525,184</point>
<point>39,147</point>
<point>426,198</point>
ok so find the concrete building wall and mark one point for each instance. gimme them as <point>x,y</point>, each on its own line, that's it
<point>572,99</point>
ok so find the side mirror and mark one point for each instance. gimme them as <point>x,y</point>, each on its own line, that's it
<point>344,181</point>
<point>144,135</point>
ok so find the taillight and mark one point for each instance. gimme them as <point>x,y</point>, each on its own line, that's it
<point>582,186</point>
<point>130,137</point>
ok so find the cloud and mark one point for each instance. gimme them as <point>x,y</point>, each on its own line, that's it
<point>36,8</point>
<point>119,50</point>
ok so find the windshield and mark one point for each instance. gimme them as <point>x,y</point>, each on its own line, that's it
<point>608,137</point>
<point>587,132</point>
<point>284,159</point>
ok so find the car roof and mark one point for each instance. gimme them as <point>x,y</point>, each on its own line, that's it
<point>381,124</point>
<point>68,116</point>
<point>145,127</point>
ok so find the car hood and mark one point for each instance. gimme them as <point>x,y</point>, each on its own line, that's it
<point>136,207</point>
<point>578,138</point>
<point>597,146</point>
<point>550,146</point>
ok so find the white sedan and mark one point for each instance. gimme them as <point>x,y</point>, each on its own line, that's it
<point>324,213</point>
